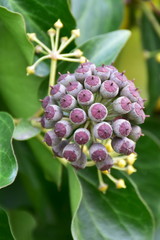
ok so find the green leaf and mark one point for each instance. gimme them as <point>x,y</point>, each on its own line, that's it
<point>97,17</point>
<point>40,15</point>
<point>51,167</point>
<point>24,130</point>
<point>22,224</point>
<point>5,231</point>
<point>147,177</point>
<point>8,162</point>
<point>102,49</point>
<point>17,90</point>
<point>151,43</point>
<point>119,214</point>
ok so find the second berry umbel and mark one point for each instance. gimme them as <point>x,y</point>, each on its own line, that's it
<point>89,107</point>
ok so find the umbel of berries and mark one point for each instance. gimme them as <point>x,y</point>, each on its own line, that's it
<point>88,108</point>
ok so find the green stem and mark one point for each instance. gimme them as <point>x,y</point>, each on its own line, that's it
<point>52,74</point>
<point>100,178</point>
<point>90,164</point>
<point>42,45</point>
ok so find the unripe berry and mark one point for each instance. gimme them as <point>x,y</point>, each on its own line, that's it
<point>106,164</point>
<point>65,79</point>
<point>102,72</point>
<point>53,112</point>
<point>109,89</point>
<point>72,152</point>
<point>122,105</point>
<point>81,136</point>
<point>81,162</point>
<point>51,138</point>
<point>58,149</point>
<point>77,116</point>
<point>63,129</point>
<point>57,91</point>
<point>98,152</point>
<point>120,79</point>
<point>92,83</point>
<point>102,130</point>
<point>67,102</point>
<point>74,88</point>
<point>130,92</point>
<point>85,97</point>
<point>97,112</point>
<point>123,145</point>
<point>47,123</point>
<point>48,100</point>
<point>135,133</point>
<point>89,65</point>
<point>81,73</point>
<point>137,114</point>
<point>121,127</point>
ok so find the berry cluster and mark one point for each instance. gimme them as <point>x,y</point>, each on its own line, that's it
<point>88,108</point>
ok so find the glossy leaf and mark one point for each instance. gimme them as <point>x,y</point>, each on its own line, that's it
<point>17,90</point>
<point>24,130</point>
<point>22,224</point>
<point>8,162</point>
<point>97,17</point>
<point>102,49</point>
<point>5,231</point>
<point>120,214</point>
<point>51,167</point>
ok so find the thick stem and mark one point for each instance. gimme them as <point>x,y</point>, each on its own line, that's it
<point>52,74</point>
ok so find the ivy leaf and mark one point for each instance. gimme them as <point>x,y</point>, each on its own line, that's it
<point>95,18</point>
<point>102,49</point>
<point>4,226</point>
<point>8,162</point>
<point>109,216</point>
<point>24,130</point>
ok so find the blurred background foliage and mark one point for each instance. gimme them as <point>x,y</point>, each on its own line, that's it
<point>42,203</point>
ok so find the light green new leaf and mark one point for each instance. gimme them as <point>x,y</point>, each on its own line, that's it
<point>119,214</point>
<point>97,17</point>
<point>102,49</point>
<point>5,231</point>
<point>17,90</point>
<point>8,162</point>
<point>24,130</point>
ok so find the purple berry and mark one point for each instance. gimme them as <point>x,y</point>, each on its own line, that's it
<point>89,65</point>
<point>51,138</point>
<point>47,123</point>
<point>63,129</point>
<point>97,112</point>
<point>92,83</point>
<point>82,72</point>
<point>80,163</point>
<point>72,152</point>
<point>122,105</point>
<point>74,88</point>
<point>85,97</point>
<point>141,101</point>
<point>109,89</point>
<point>77,116</point>
<point>102,72</point>
<point>57,91</point>
<point>67,102</point>
<point>121,127</point>
<point>98,152</point>
<point>53,112</point>
<point>135,133</point>
<point>123,145</point>
<point>48,100</point>
<point>130,92</point>
<point>102,130</point>
<point>111,68</point>
<point>81,136</point>
<point>65,79</point>
<point>120,79</point>
<point>106,164</point>
<point>58,149</point>
<point>137,114</point>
